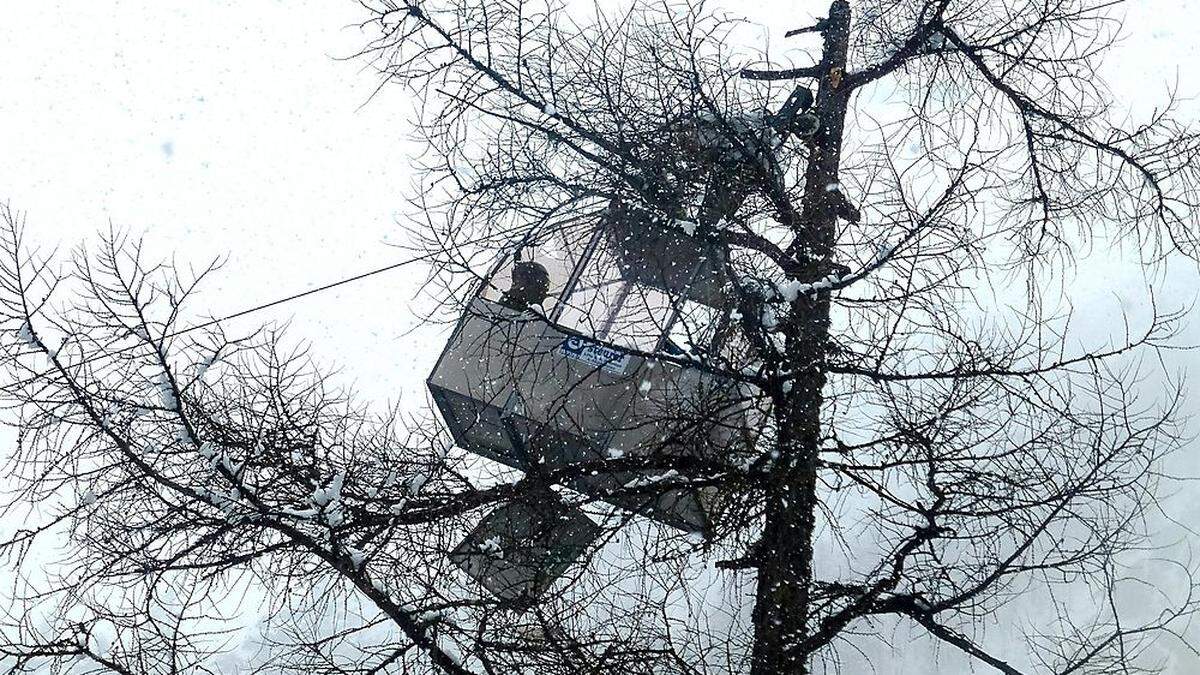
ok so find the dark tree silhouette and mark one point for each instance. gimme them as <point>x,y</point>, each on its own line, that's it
<point>888,219</point>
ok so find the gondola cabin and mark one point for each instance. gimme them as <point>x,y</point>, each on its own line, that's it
<point>600,359</point>
<point>606,370</point>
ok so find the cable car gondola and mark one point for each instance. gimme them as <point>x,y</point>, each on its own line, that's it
<point>597,355</point>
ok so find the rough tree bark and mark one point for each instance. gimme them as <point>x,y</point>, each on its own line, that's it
<point>785,565</point>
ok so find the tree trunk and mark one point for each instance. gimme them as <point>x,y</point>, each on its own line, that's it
<point>781,611</point>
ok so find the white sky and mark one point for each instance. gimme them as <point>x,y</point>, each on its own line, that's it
<point>228,127</point>
<point>218,129</point>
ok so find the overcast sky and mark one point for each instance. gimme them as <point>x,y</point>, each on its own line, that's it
<point>218,129</point>
<point>231,128</point>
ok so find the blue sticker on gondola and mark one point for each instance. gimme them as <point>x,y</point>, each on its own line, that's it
<point>594,354</point>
